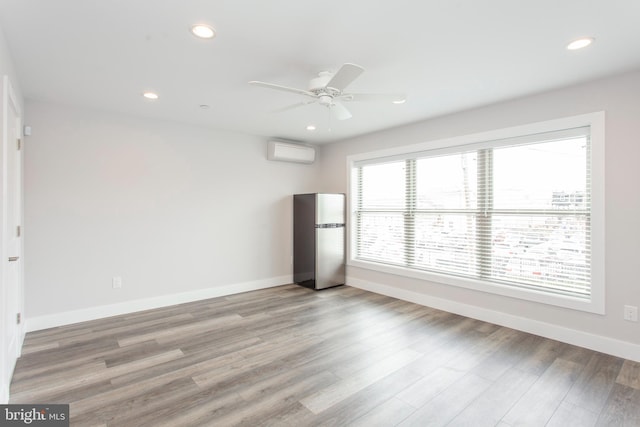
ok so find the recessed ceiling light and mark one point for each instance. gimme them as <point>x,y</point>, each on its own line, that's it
<point>204,106</point>
<point>311,128</point>
<point>400,101</point>
<point>150,95</point>
<point>580,43</point>
<point>203,31</point>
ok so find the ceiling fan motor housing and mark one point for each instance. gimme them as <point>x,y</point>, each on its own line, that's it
<point>318,84</point>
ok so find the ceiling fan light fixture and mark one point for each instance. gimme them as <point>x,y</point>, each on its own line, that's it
<point>203,31</point>
<point>324,99</point>
<point>580,43</point>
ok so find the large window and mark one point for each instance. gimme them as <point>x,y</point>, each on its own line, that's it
<point>514,214</point>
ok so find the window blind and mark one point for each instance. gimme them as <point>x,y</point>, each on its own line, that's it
<point>514,211</point>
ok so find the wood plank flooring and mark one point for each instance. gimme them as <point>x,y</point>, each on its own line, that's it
<point>289,356</point>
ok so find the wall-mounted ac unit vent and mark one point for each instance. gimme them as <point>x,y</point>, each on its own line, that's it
<point>290,152</point>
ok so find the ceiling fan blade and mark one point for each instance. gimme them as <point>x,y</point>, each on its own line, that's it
<point>293,106</point>
<point>397,98</point>
<point>282,88</point>
<point>341,112</point>
<point>345,75</point>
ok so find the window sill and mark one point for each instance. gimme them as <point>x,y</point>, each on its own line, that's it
<point>587,305</point>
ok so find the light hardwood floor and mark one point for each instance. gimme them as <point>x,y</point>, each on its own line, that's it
<point>294,357</point>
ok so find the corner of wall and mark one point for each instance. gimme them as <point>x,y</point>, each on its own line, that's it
<point>599,343</point>
<point>99,312</point>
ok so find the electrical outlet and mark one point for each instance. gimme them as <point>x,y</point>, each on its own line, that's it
<point>631,313</point>
<point>117,282</point>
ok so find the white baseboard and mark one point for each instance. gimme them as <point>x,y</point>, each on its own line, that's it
<point>99,312</point>
<point>623,349</point>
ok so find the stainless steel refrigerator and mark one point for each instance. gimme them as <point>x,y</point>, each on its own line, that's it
<point>319,240</point>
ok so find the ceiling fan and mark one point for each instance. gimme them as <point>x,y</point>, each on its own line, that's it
<point>328,90</point>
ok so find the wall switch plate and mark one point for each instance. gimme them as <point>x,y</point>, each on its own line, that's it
<point>117,282</point>
<point>631,313</point>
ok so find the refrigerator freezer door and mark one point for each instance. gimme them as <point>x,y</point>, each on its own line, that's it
<point>330,209</point>
<point>330,269</point>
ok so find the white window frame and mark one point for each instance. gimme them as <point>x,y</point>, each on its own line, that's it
<point>596,122</point>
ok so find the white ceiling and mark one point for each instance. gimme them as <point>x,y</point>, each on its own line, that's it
<point>446,55</point>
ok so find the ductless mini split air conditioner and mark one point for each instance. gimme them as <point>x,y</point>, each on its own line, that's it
<point>290,152</point>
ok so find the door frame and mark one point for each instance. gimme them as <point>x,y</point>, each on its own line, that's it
<point>10,348</point>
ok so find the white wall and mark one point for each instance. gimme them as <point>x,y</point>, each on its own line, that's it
<point>618,97</point>
<point>179,212</point>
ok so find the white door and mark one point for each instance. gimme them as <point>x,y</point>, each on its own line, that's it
<point>11,231</point>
